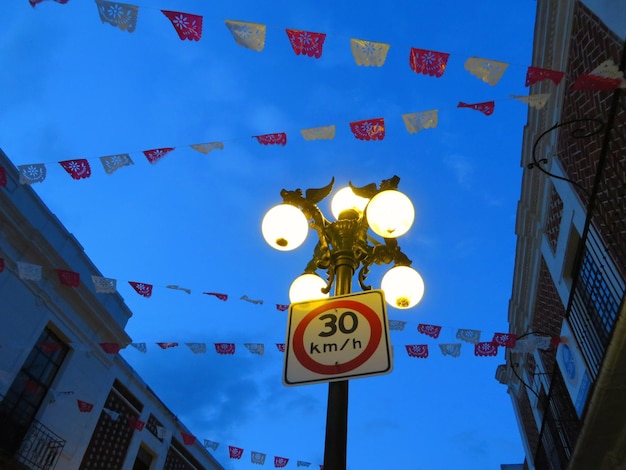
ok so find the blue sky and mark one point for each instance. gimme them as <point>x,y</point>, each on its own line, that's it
<point>73,87</point>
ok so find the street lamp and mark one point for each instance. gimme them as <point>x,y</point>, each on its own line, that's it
<point>343,246</point>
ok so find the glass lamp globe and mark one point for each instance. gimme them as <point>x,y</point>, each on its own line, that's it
<point>403,287</point>
<point>307,287</point>
<point>390,214</point>
<point>284,227</point>
<point>345,199</point>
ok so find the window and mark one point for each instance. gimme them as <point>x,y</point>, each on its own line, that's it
<point>595,304</point>
<point>573,241</point>
<point>24,397</point>
<point>597,294</point>
<point>143,460</point>
<point>179,458</point>
<point>153,426</point>
<point>110,439</point>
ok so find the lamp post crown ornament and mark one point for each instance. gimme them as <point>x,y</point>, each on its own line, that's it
<point>347,241</point>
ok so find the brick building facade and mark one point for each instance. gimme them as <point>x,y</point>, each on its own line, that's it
<point>570,268</point>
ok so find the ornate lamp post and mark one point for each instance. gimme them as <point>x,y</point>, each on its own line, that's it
<point>343,246</point>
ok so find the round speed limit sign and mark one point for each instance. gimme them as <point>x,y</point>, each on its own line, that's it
<point>338,338</point>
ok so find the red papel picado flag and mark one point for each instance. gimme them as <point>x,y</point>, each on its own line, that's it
<point>369,129</point>
<point>84,407</point>
<point>187,26</point>
<point>306,42</point>
<point>536,74</point>
<point>155,155</point>
<point>225,348</point>
<point>279,138</point>
<point>428,62</point>
<point>485,349</point>
<point>136,423</point>
<point>143,289</point>
<point>486,107</point>
<point>68,278</point>
<point>78,169</point>
<point>506,340</point>
<point>417,350</point>
<point>235,452</point>
<point>222,297</point>
<point>110,348</point>
<point>429,330</point>
<point>188,439</point>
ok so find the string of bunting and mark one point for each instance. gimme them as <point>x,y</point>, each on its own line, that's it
<point>606,77</point>
<point>104,285</point>
<point>527,343</point>
<point>488,348</point>
<point>373,129</point>
<point>161,432</point>
<point>259,458</point>
<point>485,349</point>
<point>251,35</point>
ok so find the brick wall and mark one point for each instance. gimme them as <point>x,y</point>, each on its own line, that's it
<point>568,422</point>
<point>549,310</point>
<point>528,421</point>
<point>548,313</point>
<point>592,43</point>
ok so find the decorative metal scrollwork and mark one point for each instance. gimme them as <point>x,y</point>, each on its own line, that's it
<point>346,234</point>
<point>593,126</point>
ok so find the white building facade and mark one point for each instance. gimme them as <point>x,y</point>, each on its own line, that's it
<point>67,399</point>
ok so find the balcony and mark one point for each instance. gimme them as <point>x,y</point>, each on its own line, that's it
<point>38,449</point>
<point>596,303</point>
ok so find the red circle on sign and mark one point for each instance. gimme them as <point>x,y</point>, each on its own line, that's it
<point>314,366</point>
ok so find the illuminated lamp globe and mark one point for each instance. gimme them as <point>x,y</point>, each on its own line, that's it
<point>307,287</point>
<point>284,227</point>
<point>390,214</point>
<point>403,287</point>
<point>345,199</point>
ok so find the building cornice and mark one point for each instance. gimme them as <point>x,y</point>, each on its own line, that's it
<point>27,228</point>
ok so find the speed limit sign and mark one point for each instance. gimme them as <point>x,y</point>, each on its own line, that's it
<point>337,338</point>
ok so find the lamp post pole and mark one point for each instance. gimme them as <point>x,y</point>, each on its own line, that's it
<point>336,441</point>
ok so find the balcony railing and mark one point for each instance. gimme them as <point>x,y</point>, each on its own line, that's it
<point>596,303</point>
<point>40,448</point>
